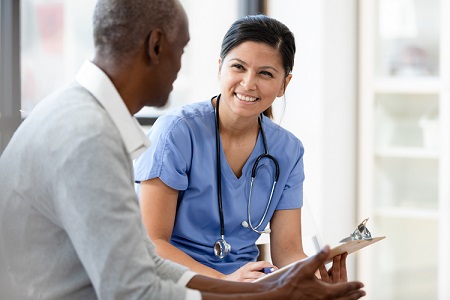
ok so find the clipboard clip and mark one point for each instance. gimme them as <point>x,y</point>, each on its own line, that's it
<point>361,233</point>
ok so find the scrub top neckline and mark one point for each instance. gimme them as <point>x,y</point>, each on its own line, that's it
<point>225,167</point>
<point>248,164</point>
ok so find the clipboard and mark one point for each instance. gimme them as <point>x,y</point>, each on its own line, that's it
<point>359,239</point>
<point>352,246</point>
<point>349,247</point>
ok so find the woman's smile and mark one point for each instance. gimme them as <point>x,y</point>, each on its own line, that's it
<point>245,98</point>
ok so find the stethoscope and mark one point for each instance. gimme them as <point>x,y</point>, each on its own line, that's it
<point>222,247</point>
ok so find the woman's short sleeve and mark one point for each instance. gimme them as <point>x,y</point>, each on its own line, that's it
<point>169,154</point>
<point>292,196</point>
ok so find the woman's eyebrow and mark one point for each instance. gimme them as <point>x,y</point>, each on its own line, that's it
<point>262,67</point>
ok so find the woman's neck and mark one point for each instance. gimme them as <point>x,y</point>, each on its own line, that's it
<point>234,126</point>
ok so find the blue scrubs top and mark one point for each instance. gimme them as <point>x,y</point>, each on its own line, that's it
<point>183,155</point>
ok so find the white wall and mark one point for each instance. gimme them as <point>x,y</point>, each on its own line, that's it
<point>197,79</point>
<point>321,108</point>
<point>207,27</point>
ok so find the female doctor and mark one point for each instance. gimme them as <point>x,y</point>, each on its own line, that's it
<point>219,171</point>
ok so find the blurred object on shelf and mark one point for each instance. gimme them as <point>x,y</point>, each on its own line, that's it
<point>429,124</point>
<point>411,61</point>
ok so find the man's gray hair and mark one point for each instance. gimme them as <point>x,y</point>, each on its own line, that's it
<point>122,26</point>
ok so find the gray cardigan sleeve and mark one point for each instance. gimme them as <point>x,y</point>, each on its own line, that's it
<point>165,269</point>
<point>97,206</point>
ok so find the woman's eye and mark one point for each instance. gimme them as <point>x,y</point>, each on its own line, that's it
<point>266,73</point>
<point>238,66</point>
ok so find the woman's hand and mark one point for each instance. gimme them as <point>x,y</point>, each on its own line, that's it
<point>337,272</point>
<point>249,272</point>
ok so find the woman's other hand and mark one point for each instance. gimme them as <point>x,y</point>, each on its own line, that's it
<point>249,272</point>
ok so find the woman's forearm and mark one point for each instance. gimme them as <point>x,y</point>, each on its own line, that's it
<point>170,252</point>
<point>285,256</point>
<point>212,285</point>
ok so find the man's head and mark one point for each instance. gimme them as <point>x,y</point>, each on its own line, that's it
<point>121,26</point>
<point>139,44</point>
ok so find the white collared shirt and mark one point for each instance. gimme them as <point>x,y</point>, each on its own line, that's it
<point>100,86</point>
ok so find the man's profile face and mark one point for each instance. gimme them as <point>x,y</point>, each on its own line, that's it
<point>171,61</point>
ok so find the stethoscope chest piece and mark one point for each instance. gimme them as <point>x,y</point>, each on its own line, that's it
<point>221,248</point>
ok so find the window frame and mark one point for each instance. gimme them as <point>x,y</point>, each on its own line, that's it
<point>10,60</point>
<point>10,97</point>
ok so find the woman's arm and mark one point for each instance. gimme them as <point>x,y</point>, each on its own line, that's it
<point>286,237</point>
<point>158,204</point>
<point>158,207</point>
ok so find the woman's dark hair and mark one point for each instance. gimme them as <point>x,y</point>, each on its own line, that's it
<point>262,29</point>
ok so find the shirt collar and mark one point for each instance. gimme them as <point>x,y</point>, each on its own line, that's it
<point>100,86</point>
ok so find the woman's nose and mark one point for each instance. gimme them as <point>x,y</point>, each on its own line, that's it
<point>249,82</point>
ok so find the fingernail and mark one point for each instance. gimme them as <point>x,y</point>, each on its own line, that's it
<point>326,248</point>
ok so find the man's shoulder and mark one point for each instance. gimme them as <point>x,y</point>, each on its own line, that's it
<point>68,116</point>
<point>73,104</point>
<point>75,99</point>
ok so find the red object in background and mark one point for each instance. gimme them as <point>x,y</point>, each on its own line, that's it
<point>51,26</point>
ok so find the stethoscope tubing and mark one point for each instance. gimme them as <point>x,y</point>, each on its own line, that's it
<point>255,228</point>
<point>218,171</point>
<point>221,247</point>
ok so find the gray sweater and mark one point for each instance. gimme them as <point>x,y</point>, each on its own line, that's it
<point>70,225</point>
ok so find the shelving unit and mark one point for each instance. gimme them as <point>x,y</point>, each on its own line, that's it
<point>404,149</point>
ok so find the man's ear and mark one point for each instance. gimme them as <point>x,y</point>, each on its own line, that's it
<point>155,45</point>
<point>285,84</point>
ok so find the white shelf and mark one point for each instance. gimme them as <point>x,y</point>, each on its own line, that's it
<point>407,152</point>
<point>404,150</point>
<point>408,213</point>
<point>393,85</point>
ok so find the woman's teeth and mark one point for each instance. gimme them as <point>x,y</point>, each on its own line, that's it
<point>246,98</point>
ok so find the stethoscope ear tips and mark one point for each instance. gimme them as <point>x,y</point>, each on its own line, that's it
<point>245,225</point>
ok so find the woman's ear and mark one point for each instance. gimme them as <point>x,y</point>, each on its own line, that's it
<point>220,65</point>
<point>155,45</point>
<point>284,86</point>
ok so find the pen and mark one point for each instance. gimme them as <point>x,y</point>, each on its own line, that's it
<point>267,270</point>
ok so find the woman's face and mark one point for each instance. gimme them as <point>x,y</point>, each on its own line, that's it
<point>251,77</point>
